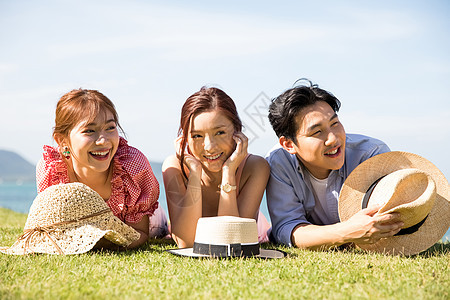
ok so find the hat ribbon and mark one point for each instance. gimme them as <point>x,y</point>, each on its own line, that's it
<point>226,250</point>
<point>403,231</point>
<point>46,230</point>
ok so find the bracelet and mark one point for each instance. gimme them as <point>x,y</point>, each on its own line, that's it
<point>227,187</point>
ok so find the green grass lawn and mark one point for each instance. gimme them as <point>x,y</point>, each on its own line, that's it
<point>152,273</point>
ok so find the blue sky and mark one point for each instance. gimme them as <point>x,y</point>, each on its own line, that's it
<point>387,61</point>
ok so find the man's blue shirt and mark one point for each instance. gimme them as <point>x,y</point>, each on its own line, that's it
<point>290,198</point>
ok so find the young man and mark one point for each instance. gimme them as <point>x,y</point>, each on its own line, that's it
<point>308,169</point>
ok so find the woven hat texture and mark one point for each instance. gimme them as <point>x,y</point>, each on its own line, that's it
<point>69,219</point>
<point>408,184</point>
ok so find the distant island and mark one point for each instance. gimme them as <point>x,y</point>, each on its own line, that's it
<point>14,167</point>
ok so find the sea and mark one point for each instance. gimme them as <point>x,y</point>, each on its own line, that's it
<point>18,196</point>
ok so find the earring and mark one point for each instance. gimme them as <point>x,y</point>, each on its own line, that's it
<point>66,152</point>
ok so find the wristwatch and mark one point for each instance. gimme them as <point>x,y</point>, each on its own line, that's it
<point>227,187</point>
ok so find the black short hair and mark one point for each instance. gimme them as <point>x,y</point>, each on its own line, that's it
<point>284,108</point>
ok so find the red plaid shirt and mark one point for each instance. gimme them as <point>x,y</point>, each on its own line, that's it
<point>134,188</point>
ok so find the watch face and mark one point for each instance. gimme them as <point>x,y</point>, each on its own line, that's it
<point>227,188</point>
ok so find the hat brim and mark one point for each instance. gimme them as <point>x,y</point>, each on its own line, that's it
<point>263,253</point>
<point>78,238</point>
<point>362,177</point>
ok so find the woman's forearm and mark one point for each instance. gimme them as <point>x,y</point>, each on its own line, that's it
<point>184,212</point>
<point>228,199</point>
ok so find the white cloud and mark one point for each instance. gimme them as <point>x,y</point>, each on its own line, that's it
<point>191,34</point>
<point>7,67</point>
<point>381,24</point>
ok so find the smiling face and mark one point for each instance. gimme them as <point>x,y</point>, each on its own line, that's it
<point>93,144</point>
<point>320,138</point>
<point>210,139</point>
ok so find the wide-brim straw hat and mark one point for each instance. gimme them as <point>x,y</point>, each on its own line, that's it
<point>227,236</point>
<point>405,183</point>
<point>70,219</point>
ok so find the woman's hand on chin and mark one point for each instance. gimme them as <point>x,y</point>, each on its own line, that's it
<point>239,153</point>
<point>192,163</point>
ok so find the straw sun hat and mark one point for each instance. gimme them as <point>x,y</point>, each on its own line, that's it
<point>405,183</point>
<point>227,236</point>
<point>69,219</point>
